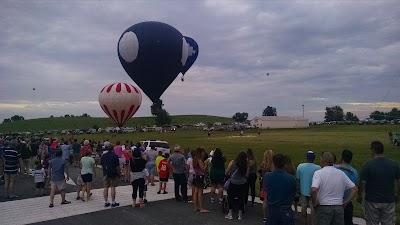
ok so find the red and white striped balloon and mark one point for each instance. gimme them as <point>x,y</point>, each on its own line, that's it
<point>120,101</point>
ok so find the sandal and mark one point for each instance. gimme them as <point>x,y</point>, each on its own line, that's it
<point>65,202</point>
<point>204,211</point>
<point>51,205</point>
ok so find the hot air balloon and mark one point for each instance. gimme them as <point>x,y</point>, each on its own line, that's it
<point>120,101</point>
<point>153,54</point>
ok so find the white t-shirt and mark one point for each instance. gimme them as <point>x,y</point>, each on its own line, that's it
<point>331,184</point>
<point>39,175</point>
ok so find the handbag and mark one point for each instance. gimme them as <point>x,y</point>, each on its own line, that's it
<point>228,182</point>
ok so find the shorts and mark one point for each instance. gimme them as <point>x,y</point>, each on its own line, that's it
<point>121,162</point>
<point>58,185</point>
<point>306,202</point>
<point>219,182</point>
<point>39,185</point>
<point>79,180</point>
<point>151,168</point>
<point>110,182</point>
<point>190,178</point>
<point>8,178</point>
<point>164,179</point>
<point>86,178</point>
<point>198,181</point>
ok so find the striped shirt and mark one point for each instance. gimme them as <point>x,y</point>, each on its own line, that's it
<point>11,161</point>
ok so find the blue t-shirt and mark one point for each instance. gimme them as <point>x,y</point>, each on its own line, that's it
<point>352,176</point>
<point>57,165</point>
<point>305,173</point>
<point>280,187</point>
<point>65,151</point>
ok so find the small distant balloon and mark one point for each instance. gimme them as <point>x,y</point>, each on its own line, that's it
<point>34,88</point>
<point>267,74</point>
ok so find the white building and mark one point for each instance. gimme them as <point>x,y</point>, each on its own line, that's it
<point>270,122</point>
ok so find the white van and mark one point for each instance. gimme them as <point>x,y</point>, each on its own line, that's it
<point>158,144</point>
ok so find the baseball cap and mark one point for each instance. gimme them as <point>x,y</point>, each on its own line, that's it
<point>310,155</point>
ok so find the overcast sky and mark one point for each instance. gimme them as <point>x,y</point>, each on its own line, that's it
<point>317,54</point>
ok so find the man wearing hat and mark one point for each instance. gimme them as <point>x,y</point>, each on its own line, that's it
<point>304,175</point>
<point>327,190</point>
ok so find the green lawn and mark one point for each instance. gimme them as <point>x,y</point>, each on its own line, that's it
<point>294,142</point>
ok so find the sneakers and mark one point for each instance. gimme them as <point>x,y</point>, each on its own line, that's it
<point>158,192</point>
<point>107,204</point>
<point>229,217</point>
<point>212,200</point>
<point>240,217</point>
<point>264,220</point>
<point>114,205</point>
<point>220,201</point>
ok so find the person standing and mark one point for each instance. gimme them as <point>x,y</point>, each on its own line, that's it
<point>378,177</point>
<point>304,174</point>
<point>280,188</point>
<point>199,166</point>
<point>12,159</point>
<point>252,178</point>
<point>217,174</point>
<point>111,173</point>
<point>26,156</point>
<point>352,174</point>
<point>87,167</point>
<point>238,170</point>
<point>151,163</point>
<point>138,176</point>
<point>267,165</point>
<point>178,163</point>
<point>164,170</point>
<point>57,167</point>
<point>76,149</point>
<point>65,148</point>
<point>327,190</point>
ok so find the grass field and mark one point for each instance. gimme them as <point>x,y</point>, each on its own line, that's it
<point>294,142</point>
<point>61,123</point>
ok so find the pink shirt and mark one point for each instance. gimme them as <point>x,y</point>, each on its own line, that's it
<point>190,163</point>
<point>118,150</point>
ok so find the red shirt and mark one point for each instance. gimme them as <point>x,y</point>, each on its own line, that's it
<point>83,150</point>
<point>164,169</point>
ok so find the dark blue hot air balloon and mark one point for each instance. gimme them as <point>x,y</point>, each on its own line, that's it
<point>153,54</point>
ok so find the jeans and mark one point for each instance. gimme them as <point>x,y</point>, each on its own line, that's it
<point>348,214</point>
<point>138,185</point>
<point>236,192</point>
<point>329,214</point>
<point>180,182</point>
<point>251,183</point>
<point>280,215</point>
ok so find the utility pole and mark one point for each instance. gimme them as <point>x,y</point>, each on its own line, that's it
<point>303,110</point>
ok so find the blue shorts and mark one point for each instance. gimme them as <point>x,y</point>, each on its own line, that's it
<point>151,168</point>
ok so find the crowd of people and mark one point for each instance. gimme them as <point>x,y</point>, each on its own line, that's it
<point>326,189</point>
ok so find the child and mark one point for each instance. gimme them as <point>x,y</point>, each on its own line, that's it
<point>164,169</point>
<point>79,187</point>
<point>146,173</point>
<point>45,164</point>
<point>39,176</point>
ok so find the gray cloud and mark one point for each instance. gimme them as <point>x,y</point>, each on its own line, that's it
<point>317,54</point>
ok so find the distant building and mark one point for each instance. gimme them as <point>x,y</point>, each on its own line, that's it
<point>271,122</point>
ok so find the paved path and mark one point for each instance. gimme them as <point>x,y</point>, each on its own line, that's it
<point>161,209</point>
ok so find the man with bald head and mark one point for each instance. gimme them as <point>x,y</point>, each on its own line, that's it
<point>327,190</point>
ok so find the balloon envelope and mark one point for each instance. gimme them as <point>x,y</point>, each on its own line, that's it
<point>120,101</point>
<point>153,54</point>
<point>192,53</point>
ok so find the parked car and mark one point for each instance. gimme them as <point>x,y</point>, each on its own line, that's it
<point>158,144</point>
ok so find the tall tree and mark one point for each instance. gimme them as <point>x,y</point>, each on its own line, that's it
<point>7,120</point>
<point>17,118</point>
<point>269,111</point>
<point>351,117</point>
<point>240,117</point>
<point>85,115</point>
<point>334,113</point>
<point>163,118</point>
<point>393,114</point>
<point>376,115</point>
